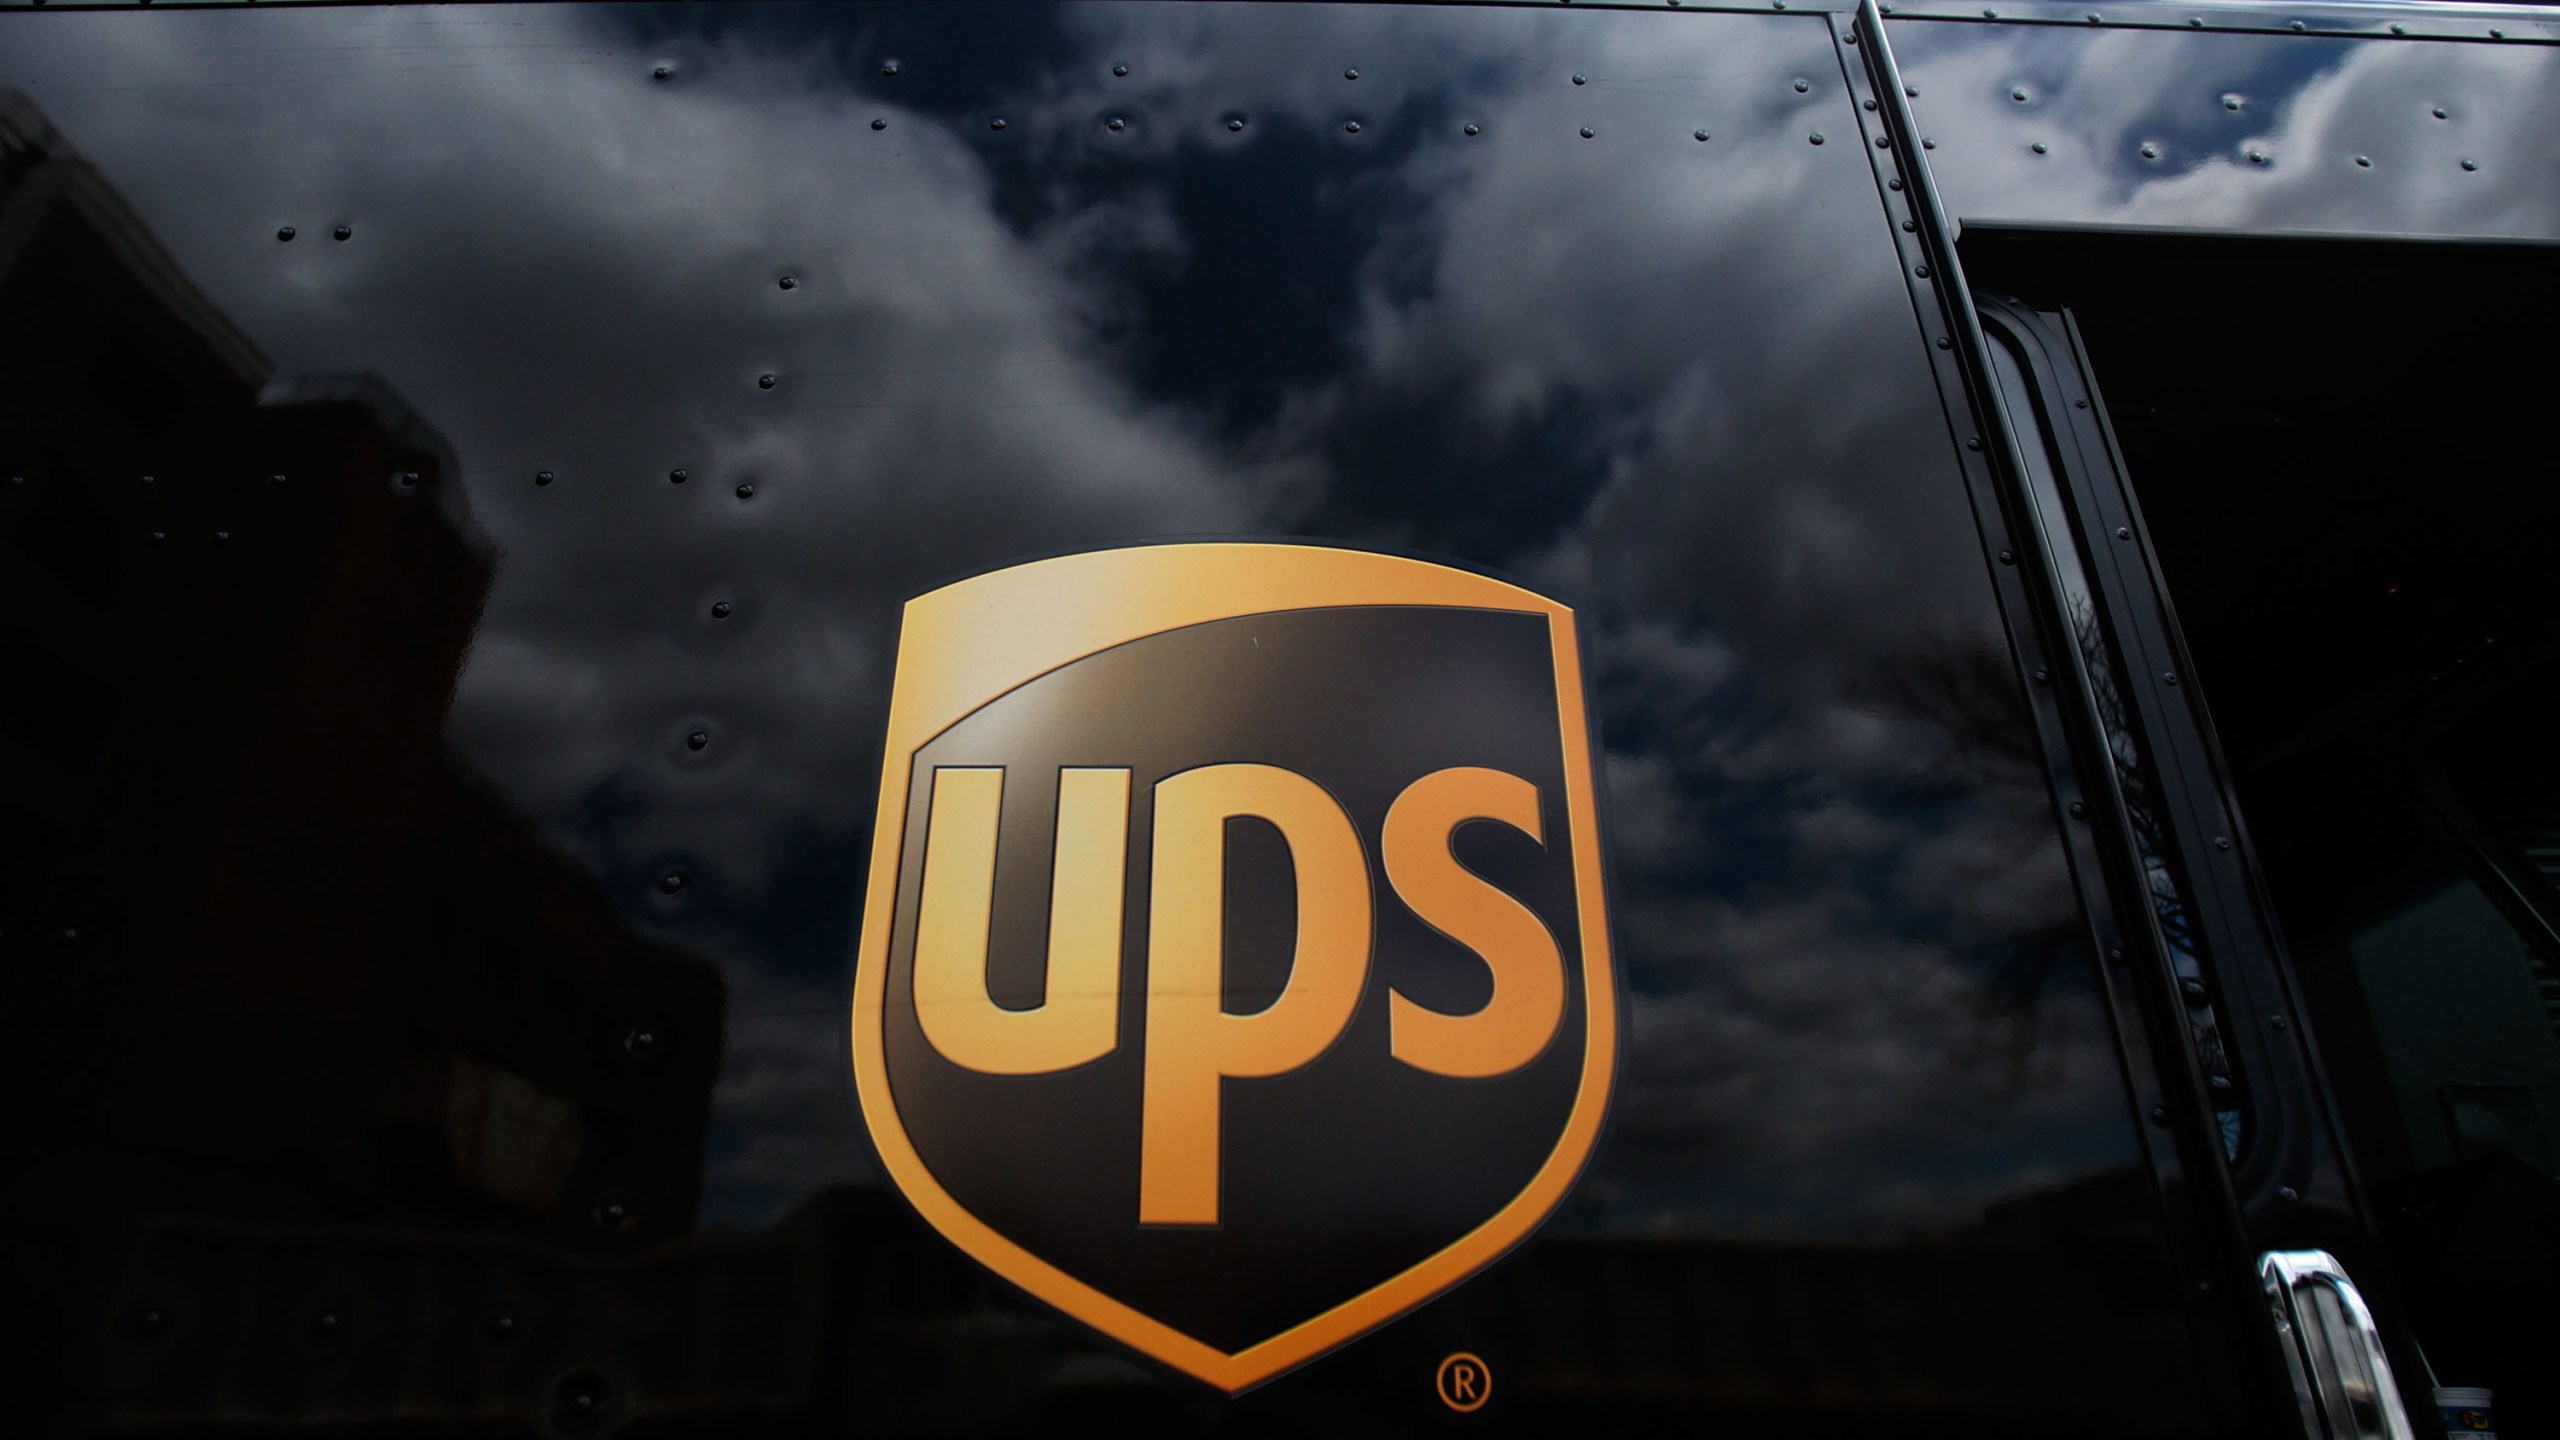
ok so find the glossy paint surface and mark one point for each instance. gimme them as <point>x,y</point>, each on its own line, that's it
<point>2346,134</point>
<point>439,866</point>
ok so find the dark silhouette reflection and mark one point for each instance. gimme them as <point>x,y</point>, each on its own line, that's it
<point>312,1030</point>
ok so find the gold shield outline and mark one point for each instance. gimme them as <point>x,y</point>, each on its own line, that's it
<point>1024,621</point>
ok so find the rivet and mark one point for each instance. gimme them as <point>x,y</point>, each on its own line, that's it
<point>2124,532</point>
<point>159,537</point>
<point>1815,137</point>
<point>2257,157</point>
<point>1235,125</point>
<point>678,477</point>
<point>1911,90</point>
<point>2278,1021</point>
<point>1471,130</point>
<point>1777,4</point>
<point>343,231</point>
<point>1920,270</point>
<point>1115,123</point>
<point>1885,9</point>
<point>2008,557</point>
<point>1870,103</point>
<point>2195,22</point>
<point>2115,954</point>
<point>721,609</point>
<point>879,124</point>
<point>612,1208</point>
<point>1586,132</point>
<point>1699,134</point>
<point>2230,102</point>
<point>153,1320</point>
<point>2079,810</point>
<point>408,479</point>
<point>2221,842</point>
<point>2194,991</point>
<point>147,479</point>
<point>662,72</point>
<point>1848,37</point>
<point>747,492</point>
<point>1578,80</point>
<point>2287,1194</point>
<point>503,1327</point>
<point>996,124</point>
<point>2204,1287</point>
<point>2018,95</point>
<point>325,1323</point>
<point>221,536</point>
<point>1910,227</point>
<point>2168,677</point>
<point>1803,85</point>
<point>1350,127</point>
<point>2095,17</point>
<point>1894,184</point>
<point>1990,14</point>
<point>2160,1116</point>
<point>284,232</point>
<point>2438,112</point>
<point>70,936</point>
<point>2297,27</point>
<point>641,1042</point>
<point>2399,29</point>
<point>1350,74</point>
<point>697,740</point>
<point>1973,442</point>
<point>2043,676</point>
<point>2150,151</point>
<point>2470,164</point>
<point>2364,162</point>
<point>889,68</point>
<point>1946,344</point>
<point>2037,147</point>
<point>543,477</point>
<point>789,282</point>
<point>1928,144</point>
<point>1120,71</point>
<point>2079,404</point>
<point>1884,142</point>
<point>2497,34</point>
<point>765,382</point>
<point>672,883</point>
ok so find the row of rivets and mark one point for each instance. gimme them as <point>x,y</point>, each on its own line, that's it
<point>342,232</point>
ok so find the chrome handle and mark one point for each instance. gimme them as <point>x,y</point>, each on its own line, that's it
<point>2341,1378</point>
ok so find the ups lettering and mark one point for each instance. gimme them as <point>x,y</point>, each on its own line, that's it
<point>1234,966</point>
<point>1193,1043</point>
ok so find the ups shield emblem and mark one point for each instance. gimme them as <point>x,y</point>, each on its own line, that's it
<point>1234,975</point>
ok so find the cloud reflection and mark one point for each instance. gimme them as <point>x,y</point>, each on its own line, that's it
<point>1555,355</point>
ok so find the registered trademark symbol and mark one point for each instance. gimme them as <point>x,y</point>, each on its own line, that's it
<point>1463,1382</point>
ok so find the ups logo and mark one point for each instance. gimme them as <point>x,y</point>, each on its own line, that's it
<point>1234,975</point>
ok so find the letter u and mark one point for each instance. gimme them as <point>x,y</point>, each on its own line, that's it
<point>1078,1019</point>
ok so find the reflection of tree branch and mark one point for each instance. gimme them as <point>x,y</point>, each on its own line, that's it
<point>1971,695</point>
<point>1969,692</point>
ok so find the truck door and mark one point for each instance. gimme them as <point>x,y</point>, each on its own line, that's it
<point>2316,506</point>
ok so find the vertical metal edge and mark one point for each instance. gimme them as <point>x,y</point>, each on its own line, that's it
<point>2193,1184</point>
